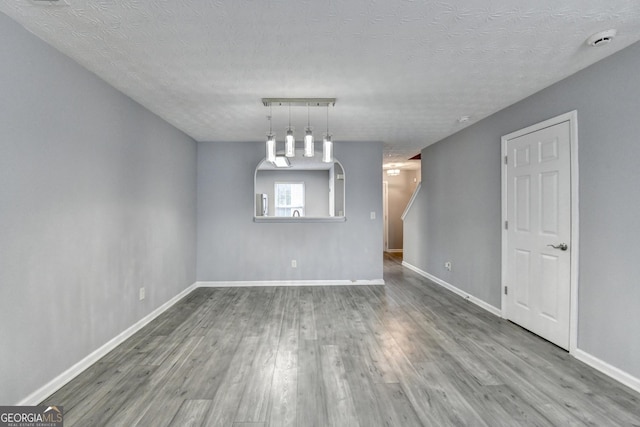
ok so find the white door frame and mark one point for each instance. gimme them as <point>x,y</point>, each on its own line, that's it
<point>385,214</point>
<point>572,118</point>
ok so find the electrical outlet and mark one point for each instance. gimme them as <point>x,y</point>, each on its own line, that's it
<point>141,294</point>
<point>294,263</point>
<point>372,215</point>
<point>447,265</point>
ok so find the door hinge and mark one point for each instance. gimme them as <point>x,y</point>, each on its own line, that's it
<point>506,160</point>
<point>506,225</point>
<point>506,291</point>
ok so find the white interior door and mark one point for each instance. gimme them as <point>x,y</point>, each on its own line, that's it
<point>538,231</point>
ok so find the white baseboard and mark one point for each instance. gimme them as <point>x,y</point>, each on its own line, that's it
<point>55,384</point>
<point>491,309</point>
<point>52,386</point>
<point>240,284</point>
<point>607,369</point>
<point>394,251</point>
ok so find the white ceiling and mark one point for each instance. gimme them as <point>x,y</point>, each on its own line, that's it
<point>403,72</point>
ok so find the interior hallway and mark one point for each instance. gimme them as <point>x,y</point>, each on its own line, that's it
<point>408,353</point>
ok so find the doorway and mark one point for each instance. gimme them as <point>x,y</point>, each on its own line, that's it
<point>398,189</point>
<point>539,239</point>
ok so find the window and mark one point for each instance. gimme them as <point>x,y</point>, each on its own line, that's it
<point>289,198</point>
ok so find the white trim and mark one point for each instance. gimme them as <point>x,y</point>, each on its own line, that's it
<point>293,219</point>
<point>600,365</point>
<point>607,369</point>
<point>394,251</point>
<point>575,232</point>
<point>58,382</point>
<point>503,233</point>
<point>572,118</point>
<point>413,198</point>
<point>385,213</point>
<point>262,283</point>
<point>491,309</point>
<point>55,384</point>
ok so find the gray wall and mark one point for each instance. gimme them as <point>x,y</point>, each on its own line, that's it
<point>231,247</point>
<point>458,214</point>
<point>316,188</point>
<point>97,198</point>
<point>400,188</point>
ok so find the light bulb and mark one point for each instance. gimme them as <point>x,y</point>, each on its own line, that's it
<point>290,144</point>
<point>309,149</point>
<point>271,147</point>
<point>327,149</point>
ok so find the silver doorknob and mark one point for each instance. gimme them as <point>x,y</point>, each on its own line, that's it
<point>561,246</point>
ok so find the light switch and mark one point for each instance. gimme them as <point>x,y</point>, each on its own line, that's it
<point>373,215</point>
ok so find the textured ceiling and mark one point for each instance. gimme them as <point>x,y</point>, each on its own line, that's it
<point>403,72</point>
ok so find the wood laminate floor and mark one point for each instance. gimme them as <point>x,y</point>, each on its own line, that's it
<point>406,354</point>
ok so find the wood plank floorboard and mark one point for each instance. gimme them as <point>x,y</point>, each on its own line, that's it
<point>409,353</point>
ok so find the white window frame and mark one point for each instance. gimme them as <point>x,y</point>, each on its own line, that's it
<point>293,208</point>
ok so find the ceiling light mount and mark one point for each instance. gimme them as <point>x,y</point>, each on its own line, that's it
<point>602,38</point>
<point>299,102</point>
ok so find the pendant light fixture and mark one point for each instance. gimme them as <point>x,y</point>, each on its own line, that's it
<point>271,142</point>
<point>327,144</point>
<point>309,149</point>
<point>290,141</point>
